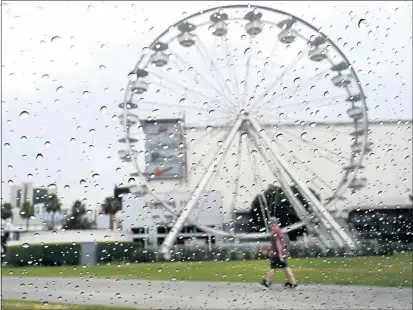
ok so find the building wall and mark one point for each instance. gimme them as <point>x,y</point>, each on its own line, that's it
<point>26,191</point>
<point>68,236</point>
<point>145,216</point>
<point>388,167</point>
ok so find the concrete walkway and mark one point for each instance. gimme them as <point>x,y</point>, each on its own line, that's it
<point>142,294</point>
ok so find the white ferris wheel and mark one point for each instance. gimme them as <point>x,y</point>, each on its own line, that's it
<point>253,80</point>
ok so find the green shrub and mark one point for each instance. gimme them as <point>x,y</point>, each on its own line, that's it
<point>44,255</point>
<point>140,255</point>
<point>117,251</point>
<point>61,254</point>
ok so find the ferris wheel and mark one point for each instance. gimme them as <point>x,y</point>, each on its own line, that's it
<point>249,80</point>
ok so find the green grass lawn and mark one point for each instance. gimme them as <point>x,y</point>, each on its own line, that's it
<point>23,304</point>
<point>393,271</point>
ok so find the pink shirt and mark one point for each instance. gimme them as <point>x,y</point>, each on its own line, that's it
<point>278,245</point>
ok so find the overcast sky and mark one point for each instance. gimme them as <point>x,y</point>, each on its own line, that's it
<point>64,65</point>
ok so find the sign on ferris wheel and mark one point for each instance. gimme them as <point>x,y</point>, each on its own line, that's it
<point>164,149</point>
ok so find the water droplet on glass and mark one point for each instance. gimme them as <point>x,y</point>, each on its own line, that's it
<point>72,140</point>
<point>103,110</point>
<point>303,135</point>
<point>362,22</point>
<point>66,187</point>
<point>29,175</point>
<point>47,144</point>
<point>95,175</point>
<point>51,186</point>
<point>86,94</point>
<point>247,52</point>
<point>102,68</point>
<point>39,156</point>
<point>297,80</point>
<point>131,180</point>
<point>92,131</point>
<point>55,39</point>
<point>82,181</point>
<point>25,245</point>
<point>279,136</point>
<point>59,90</point>
<point>45,76</point>
<point>23,139</point>
<point>6,145</point>
<point>24,115</point>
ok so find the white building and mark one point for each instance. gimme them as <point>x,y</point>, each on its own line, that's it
<point>150,223</point>
<point>388,169</point>
<point>27,192</point>
<point>35,195</point>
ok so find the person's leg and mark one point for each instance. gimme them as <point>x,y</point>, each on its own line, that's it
<point>270,276</point>
<point>290,276</point>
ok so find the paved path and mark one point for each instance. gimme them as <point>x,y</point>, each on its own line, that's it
<point>202,295</point>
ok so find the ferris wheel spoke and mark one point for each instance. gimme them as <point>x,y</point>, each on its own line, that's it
<point>210,133</point>
<point>301,104</point>
<point>264,71</point>
<point>302,83</point>
<point>246,78</point>
<point>220,79</point>
<point>307,168</point>
<point>299,86</point>
<point>258,182</point>
<point>172,105</point>
<point>197,93</point>
<point>316,146</point>
<point>283,121</point>
<point>277,80</point>
<point>202,77</point>
<point>237,176</point>
<point>211,119</point>
<point>230,64</point>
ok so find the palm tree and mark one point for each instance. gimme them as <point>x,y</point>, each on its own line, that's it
<point>6,211</point>
<point>53,205</point>
<point>111,206</point>
<point>26,212</point>
<point>77,220</point>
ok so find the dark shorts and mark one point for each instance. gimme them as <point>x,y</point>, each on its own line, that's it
<point>277,264</point>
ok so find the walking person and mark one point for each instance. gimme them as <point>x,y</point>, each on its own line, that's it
<point>277,253</point>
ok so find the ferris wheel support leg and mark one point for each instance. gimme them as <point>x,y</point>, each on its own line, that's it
<point>172,236</point>
<point>279,174</point>
<point>319,209</point>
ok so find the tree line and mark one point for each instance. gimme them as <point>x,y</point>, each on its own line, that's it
<point>276,205</point>
<point>75,220</point>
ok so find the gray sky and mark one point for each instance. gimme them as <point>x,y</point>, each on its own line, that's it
<point>65,65</point>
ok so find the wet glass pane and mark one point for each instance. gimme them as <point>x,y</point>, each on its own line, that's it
<point>214,155</point>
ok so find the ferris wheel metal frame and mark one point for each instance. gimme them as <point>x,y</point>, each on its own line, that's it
<point>321,223</point>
